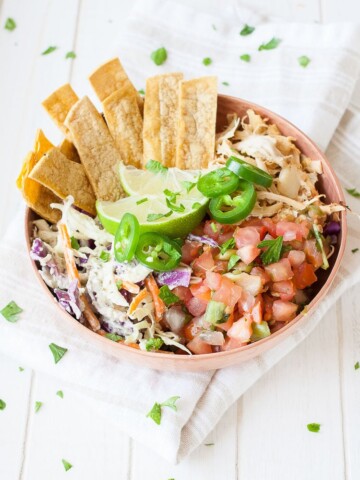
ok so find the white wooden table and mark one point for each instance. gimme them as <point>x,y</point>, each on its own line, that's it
<point>263,436</point>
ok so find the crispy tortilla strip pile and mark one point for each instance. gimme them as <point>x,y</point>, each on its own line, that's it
<point>58,105</point>
<point>65,177</point>
<point>197,121</point>
<point>69,150</point>
<point>161,113</point>
<point>96,148</point>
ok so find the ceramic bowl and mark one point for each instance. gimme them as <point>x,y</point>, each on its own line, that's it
<point>328,184</point>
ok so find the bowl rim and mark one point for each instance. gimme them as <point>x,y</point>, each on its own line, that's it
<point>189,359</point>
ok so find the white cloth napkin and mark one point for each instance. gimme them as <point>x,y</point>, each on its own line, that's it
<point>315,98</point>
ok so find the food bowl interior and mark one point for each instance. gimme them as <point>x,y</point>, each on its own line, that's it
<point>328,185</point>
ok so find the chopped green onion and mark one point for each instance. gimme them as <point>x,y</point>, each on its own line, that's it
<point>49,50</point>
<point>60,393</point>
<point>353,192</point>
<point>245,57</point>
<point>154,344</point>
<point>313,427</point>
<point>2,404</point>
<point>66,464</point>
<point>10,24</point>
<point>143,200</point>
<point>38,405</point>
<point>58,352</point>
<point>304,61</point>
<point>247,30</point>
<point>207,61</point>
<point>167,296</point>
<point>11,312</point>
<point>159,56</point>
<point>74,243</point>
<point>273,43</point>
<point>70,55</point>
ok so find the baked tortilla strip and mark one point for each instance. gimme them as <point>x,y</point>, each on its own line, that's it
<point>58,105</point>
<point>110,77</point>
<point>161,110</point>
<point>97,150</point>
<point>65,177</point>
<point>197,121</point>
<point>125,123</point>
<point>69,150</point>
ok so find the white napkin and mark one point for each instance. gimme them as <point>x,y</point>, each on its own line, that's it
<point>316,98</point>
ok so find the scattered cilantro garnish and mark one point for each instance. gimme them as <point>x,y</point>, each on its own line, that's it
<point>66,464</point>
<point>38,405</point>
<point>2,404</point>
<point>175,208</point>
<point>233,261</point>
<point>58,352</point>
<point>141,91</point>
<point>167,296</point>
<point>155,412</point>
<point>304,61</point>
<point>171,195</point>
<point>21,369</point>
<point>60,393</point>
<point>273,252</point>
<point>74,243</point>
<point>227,245</point>
<point>354,250</point>
<point>357,365</point>
<point>207,61</point>
<point>188,185</point>
<point>49,50</point>
<point>156,216</point>
<point>155,167</point>
<point>313,427</point>
<point>353,192</point>
<point>245,57</point>
<point>10,24</point>
<point>273,43</point>
<point>154,344</point>
<point>104,256</point>
<point>209,444</point>
<point>159,56</point>
<point>213,227</point>
<point>70,55</point>
<point>247,30</point>
<point>113,337</point>
<point>11,311</point>
<point>143,200</point>
<point>196,205</point>
<point>226,84</point>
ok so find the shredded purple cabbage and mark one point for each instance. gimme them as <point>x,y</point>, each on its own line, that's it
<point>205,240</point>
<point>70,300</point>
<point>332,228</point>
<point>180,277</point>
<point>38,249</point>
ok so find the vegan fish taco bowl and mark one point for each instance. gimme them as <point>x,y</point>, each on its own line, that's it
<point>180,230</point>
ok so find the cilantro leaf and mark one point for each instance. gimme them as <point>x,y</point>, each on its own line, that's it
<point>70,55</point>
<point>175,208</point>
<point>11,311</point>
<point>155,413</point>
<point>313,427</point>
<point>156,216</point>
<point>245,57</point>
<point>60,393</point>
<point>188,185</point>
<point>225,83</point>
<point>113,337</point>
<point>227,245</point>
<point>66,464</point>
<point>357,365</point>
<point>273,252</point>
<point>159,56</point>
<point>143,200</point>
<point>353,192</point>
<point>74,243</point>
<point>38,405</point>
<point>58,352</point>
<point>21,369</point>
<point>2,404</point>
<point>209,444</point>
<point>170,402</point>
<point>10,24</point>
<point>270,45</point>
<point>155,167</point>
<point>141,91</point>
<point>171,195</point>
<point>167,296</point>
<point>246,30</point>
<point>49,50</point>
<point>304,61</point>
<point>233,261</point>
<point>207,61</point>
<point>104,256</point>
<point>354,250</point>
<point>154,344</point>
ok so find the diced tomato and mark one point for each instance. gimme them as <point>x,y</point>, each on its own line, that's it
<point>291,231</point>
<point>220,266</point>
<point>270,226</point>
<point>246,236</point>
<point>296,257</point>
<point>283,311</point>
<point>257,310</point>
<point>246,302</point>
<point>203,263</point>
<point>241,330</point>
<point>201,291</point>
<point>190,251</point>
<point>277,326</point>
<point>226,325</point>
<point>232,343</point>
<point>248,253</point>
<point>260,272</point>
<point>280,270</point>
<point>258,224</point>
<point>213,280</point>
<point>193,328</point>
<point>268,303</point>
<point>304,276</point>
<point>183,293</point>
<point>196,306</point>
<point>196,345</point>
<point>312,253</point>
<point>217,231</point>
<point>285,289</point>
<point>229,293</point>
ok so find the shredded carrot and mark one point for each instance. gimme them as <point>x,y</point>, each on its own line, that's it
<point>137,300</point>
<point>132,345</point>
<point>130,286</point>
<point>74,275</point>
<point>159,305</point>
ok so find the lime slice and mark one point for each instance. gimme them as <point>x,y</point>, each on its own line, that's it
<point>148,202</point>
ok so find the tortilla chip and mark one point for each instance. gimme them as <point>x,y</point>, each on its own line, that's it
<point>110,77</point>
<point>161,112</point>
<point>69,150</point>
<point>197,121</point>
<point>125,123</point>
<point>96,148</point>
<point>65,177</point>
<point>58,105</point>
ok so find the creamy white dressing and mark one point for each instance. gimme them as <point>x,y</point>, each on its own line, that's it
<point>132,271</point>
